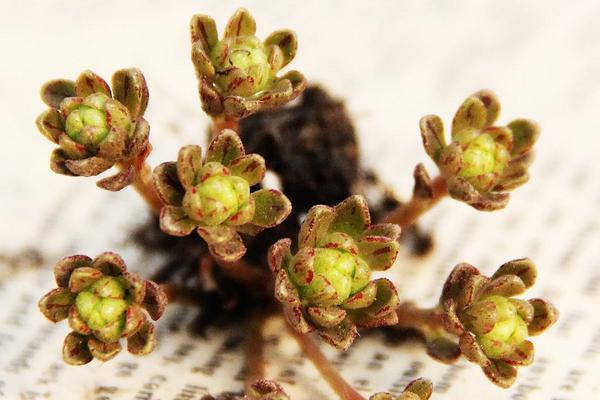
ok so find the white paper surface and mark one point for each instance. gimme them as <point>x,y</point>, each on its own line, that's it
<point>392,62</point>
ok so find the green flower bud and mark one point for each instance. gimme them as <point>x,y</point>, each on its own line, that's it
<point>483,155</point>
<point>335,270</point>
<point>87,124</point>
<point>218,198</point>
<point>510,328</point>
<point>103,303</point>
<point>242,65</point>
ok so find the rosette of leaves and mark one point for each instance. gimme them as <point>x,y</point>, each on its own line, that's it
<point>491,324</point>
<point>419,389</point>
<point>483,162</point>
<point>326,286</point>
<point>238,74</point>
<point>213,195</point>
<point>96,128</point>
<point>103,303</point>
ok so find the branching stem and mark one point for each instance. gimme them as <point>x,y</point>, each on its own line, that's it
<point>408,213</point>
<point>311,349</point>
<point>145,187</point>
<point>411,316</point>
<point>220,123</point>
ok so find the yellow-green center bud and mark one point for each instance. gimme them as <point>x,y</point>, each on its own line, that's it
<point>87,124</point>
<point>335,271</point>
<point>220,197</point>
<point>242,65</point>
<point>509,328</point>
<point>102,304</point>
<point>484,156</point>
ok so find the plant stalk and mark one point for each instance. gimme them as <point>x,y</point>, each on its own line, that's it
<point>145,187</point>
<point>311,349</point>
<point>220,123</point>
<point>253,277</point>
<point>254,349</point>
<point>408,213</point>
<point>411,316</point>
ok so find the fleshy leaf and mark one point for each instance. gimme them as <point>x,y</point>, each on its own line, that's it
<point>212,102</point>
<point>204,29</point>
<point>545,314</point>
<point>189,162</point>
<point>278,254</point>
<point>83,277</point>
<point>525,134</point>
<point>134,320</point>
<point>285,291</point>
<point>118,181</point>
<point>351,216</point>
<point>131,90</point>
<point>174,221</point>
<point>271,207</point>
<point>471,114</point>
<point>294,317</point>
<point>287,42</point>
<point>386,299</point>
<point>421,387</point>
<point>443,349</point>
<point>167,183</point>
<point>103,351</point>
<point>432,134</point>
<point>379,252</point>
<point>55,91</point>
<point>250,167</point>
<point>91,166</point>
<point>225,147</point>
<point>143,342</point>
<point>56,303</point>
<point>50,124</point>
<point>202,63</point>
<point>77,323</point>
<point>315,225</point>
<point>231,250</point>
<point>110,264</point>
<point>89,83</point>
<point>327,317</point>
<point>341,336</point>
<point>390,231</point>
<point>501,373</point>
<point>524,268</point>
<point>155,301</point>
<point>57,162</point>
<point>216,234</point>
<point>75,349</point>
<point>240,24</point>
<point>505,285</point>
<point>65,267</point>
<point>363,298</point>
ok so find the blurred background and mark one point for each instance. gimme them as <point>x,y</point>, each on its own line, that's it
<point>391,62</point>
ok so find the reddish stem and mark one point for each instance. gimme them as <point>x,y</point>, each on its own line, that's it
<point>254,349</point>
<point>328,371</point>
<point>256,279</point>
<point>411,316</point>
<point>220,123</point>
<point>408,213</point>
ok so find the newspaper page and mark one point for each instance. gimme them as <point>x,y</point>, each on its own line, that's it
<point>543,63</point>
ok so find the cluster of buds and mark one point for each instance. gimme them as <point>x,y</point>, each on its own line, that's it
<point>419,389</point>
<point>262,389</point>
<point>103,302</point>
<point>326,286</point>
<point>492,326</point>
<point>97,128</point>
<point>483,162</point>
<point>213,195</point>
<point>237,74</point>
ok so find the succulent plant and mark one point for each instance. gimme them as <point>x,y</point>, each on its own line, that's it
<point>492,326</point>
<point>213,195</point>
<point>419,389</point>
<point>483,162</point>
<point>237,74</point>
<point>103,302</point>
<point>327,284</point>
<point>96,128</point>
<point>264,389</point>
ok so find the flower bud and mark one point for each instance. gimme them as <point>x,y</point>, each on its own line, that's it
<point>241,65</point>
